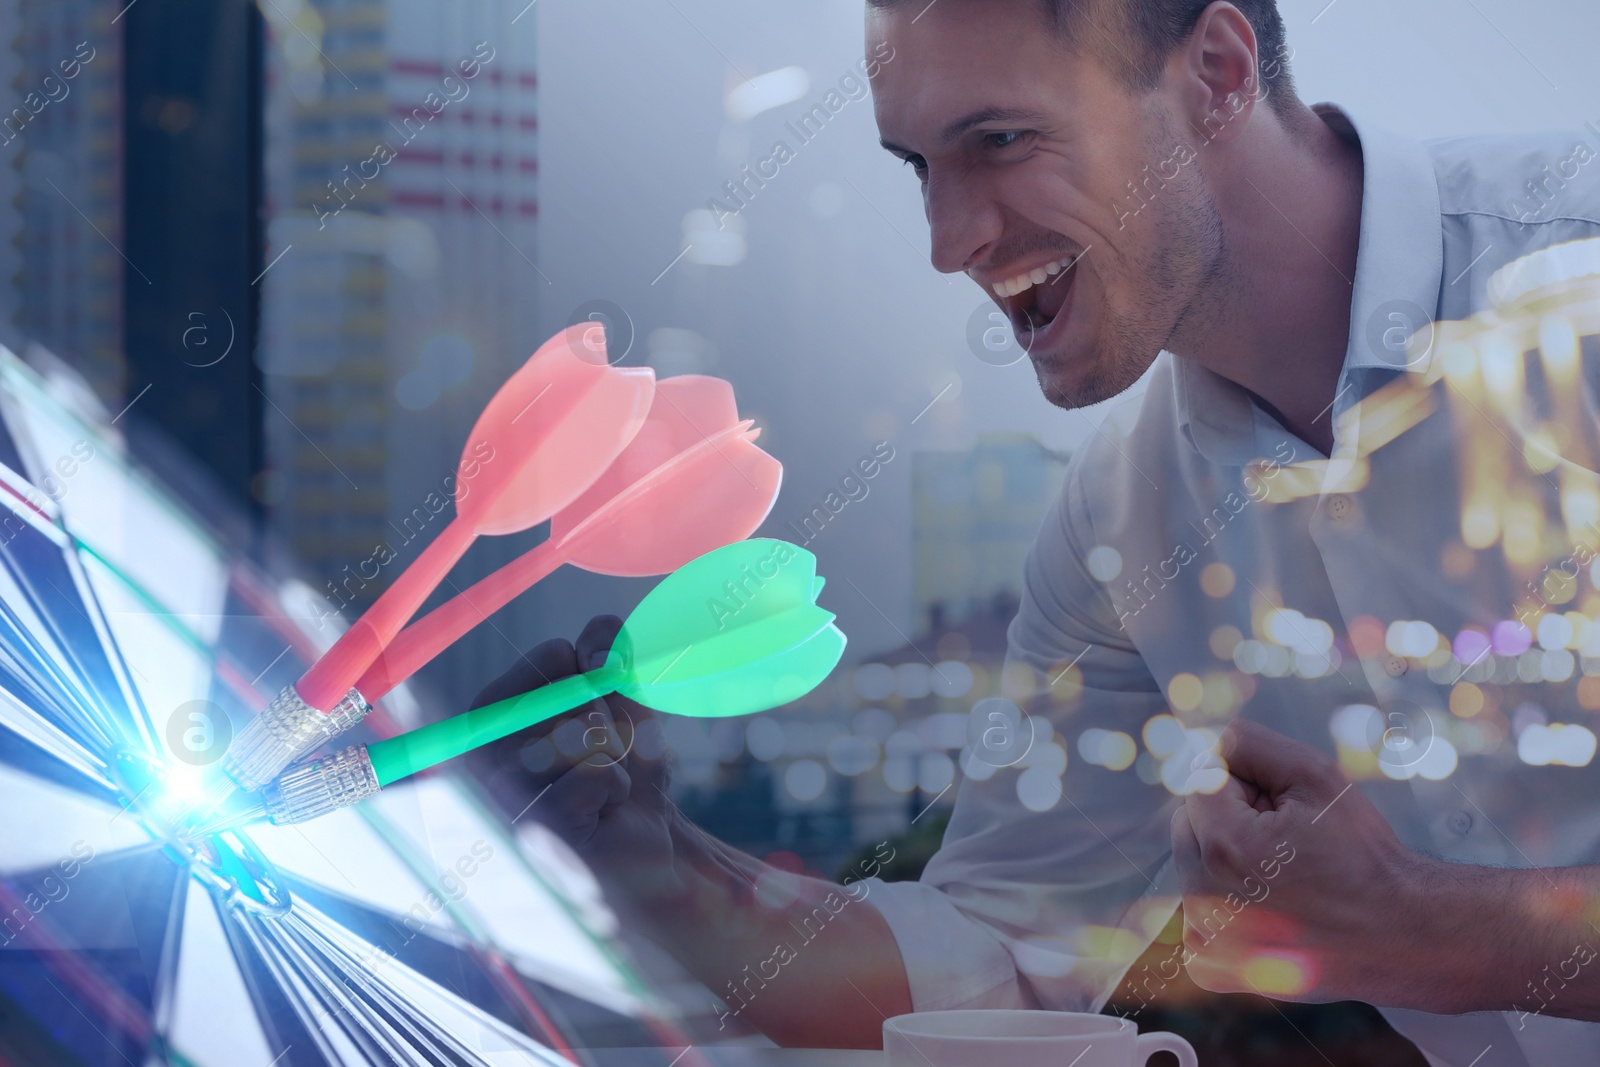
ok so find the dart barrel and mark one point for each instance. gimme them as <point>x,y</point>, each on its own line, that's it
<point>317,787</point>
<point>287,729</point>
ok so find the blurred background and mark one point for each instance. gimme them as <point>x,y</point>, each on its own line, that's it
<point>288,246</point>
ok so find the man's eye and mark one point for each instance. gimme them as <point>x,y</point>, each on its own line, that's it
<point>916,163</point>
<point>1004,138</point>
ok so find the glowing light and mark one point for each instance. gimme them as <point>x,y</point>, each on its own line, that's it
<point>1439,762</point>
<point>874,681</point>
<point>1470,645</point>
<point>1066,683</point>
<point>1557,665</point>
<point>1111,749</point>
<point>1196,767</point>
<point>1038,789</point>
<point>1366,636</point>
<point>1163,736</point>
<point>1017,681</point>
<point>1554,631</point>
<point>1222,694</point>
<point>1558,343</point>
<point>1466,700</point>
<point>1292,630</point>
<point>1217,580</point>
<point>1224,639</point>
<point>1510,638</point>
<point>1185,692</point>
<point>1250,656</point>
<point>1559,744</point>
<point>1540,452</point>
<point>1281,974</point>
<point>805,779</point>
<point>1316,664</point>
<point>1353,727</point>
<point>952,678</point>
<point>1411,638</point>
<point>1104,562</point>
<point>1049,758</point>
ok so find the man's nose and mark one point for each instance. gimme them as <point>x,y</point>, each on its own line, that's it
<point>961,223</point>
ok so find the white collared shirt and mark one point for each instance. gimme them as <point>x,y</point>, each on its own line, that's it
<point>1179,581</point>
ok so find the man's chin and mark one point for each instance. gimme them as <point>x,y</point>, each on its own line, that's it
<point>1073,384</point>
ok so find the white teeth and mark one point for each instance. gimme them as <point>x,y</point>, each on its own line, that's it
<point>1037,276</point>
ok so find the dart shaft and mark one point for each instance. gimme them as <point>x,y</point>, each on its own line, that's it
<point>419,643</point>
<point>400,757</point>
<point>336,671</point>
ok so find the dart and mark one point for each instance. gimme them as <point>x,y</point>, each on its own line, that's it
<point>734,632</point>
<point>691,480</point>
<point>549,432</point>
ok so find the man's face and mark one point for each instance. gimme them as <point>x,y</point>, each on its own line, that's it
<point>1026,150</point>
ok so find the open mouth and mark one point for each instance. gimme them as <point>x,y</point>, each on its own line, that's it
<point>1034,298</point>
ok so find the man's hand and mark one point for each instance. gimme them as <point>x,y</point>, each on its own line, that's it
<point>597,775</point>
<point>1294,886</point>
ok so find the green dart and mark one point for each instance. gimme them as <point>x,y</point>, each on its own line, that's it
<point>734,632</point>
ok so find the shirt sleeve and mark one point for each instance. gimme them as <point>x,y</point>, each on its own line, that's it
<point>1055,872</point>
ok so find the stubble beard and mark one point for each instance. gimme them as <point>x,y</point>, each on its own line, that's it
<point>1185,268</point>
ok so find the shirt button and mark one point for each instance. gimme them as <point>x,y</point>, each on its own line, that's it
<point>1394,666</point>
<point>1459,823</point>
<point>1340,507</point>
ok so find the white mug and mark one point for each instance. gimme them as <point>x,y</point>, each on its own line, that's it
<point>989,1038</point>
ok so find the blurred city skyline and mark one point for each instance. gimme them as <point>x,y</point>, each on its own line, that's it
<point>806,284</point>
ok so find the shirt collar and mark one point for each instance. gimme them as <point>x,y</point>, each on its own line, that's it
<point>1399,273</point>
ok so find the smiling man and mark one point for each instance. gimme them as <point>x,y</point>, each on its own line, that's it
<point>1137,186</point>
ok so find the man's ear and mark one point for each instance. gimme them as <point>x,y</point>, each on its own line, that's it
<point>1216,74</point>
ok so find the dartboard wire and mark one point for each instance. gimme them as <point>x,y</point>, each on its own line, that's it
<point>335,941</point>
<point>402,1013</point>
<point>164,990</point>
<point>69,698</point>
<point>246,932</point>
<point>476,931</point>
<point>81,598</point>
<point>291,937</point>
<point>61,747</point>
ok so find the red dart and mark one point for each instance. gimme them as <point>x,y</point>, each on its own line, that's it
<point>549,432</point>
<point>691,481</point>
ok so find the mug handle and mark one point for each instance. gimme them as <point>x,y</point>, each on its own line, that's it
<point>1149,1044</point>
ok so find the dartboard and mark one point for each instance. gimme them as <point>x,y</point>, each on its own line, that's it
<point>417,928</point>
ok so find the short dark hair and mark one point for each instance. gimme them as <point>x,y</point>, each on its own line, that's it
<point>1134,38</point>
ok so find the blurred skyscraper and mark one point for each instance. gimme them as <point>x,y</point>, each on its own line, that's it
<point>401,284</point>
<point>61,274</point>
<point>974,515</point>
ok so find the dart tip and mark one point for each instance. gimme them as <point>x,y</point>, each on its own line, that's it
<point>215,796</point>
<point>252,810</point>
<point>223,806</point>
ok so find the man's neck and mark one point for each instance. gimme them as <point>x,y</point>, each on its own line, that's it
<point>1292,213</point>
